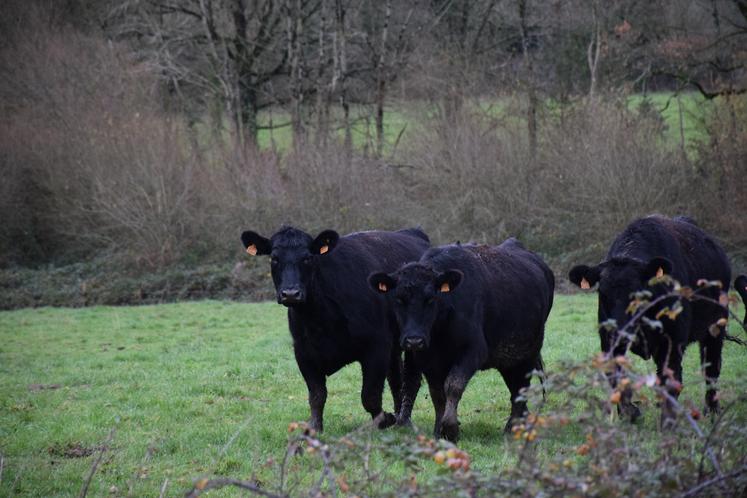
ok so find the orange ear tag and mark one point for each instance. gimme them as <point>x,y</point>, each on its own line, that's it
<point>252,250</point>
<point>585,284</point>
<point>323,249</point>
<point>660,272</point>
<point>445,287</point>
<point>382,285</point>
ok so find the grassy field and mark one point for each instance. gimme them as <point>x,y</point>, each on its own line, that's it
<point>208,388</point>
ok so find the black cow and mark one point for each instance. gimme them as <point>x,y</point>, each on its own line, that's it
<point>647,248</point>
<point>332,317</point>
<point>740,284</point>
<point>464,308</point>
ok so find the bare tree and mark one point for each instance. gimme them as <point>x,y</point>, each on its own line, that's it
<point>229,51</point>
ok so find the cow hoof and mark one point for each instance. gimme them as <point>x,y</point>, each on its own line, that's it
<point>630,411</point>
<point>384,420</point>
<point>667,421</point>
<point>404,422</point>
<point>712,408</point>
<point>450,432</point>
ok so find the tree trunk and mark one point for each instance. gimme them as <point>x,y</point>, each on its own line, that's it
<point>247,126</point>
<point>339,76</point>
<point>322,93</point>
<point>528,80</point>
<point>381,79</point>
<point>593,51</point>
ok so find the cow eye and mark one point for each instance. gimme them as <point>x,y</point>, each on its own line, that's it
<point>430,300</point>
<point>399,301</point>
<point>274,261</point>
<point>307,260</point>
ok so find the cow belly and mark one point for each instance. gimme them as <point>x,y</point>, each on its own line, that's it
<point>509,354</point>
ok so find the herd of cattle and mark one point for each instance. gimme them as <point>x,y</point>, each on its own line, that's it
<point>368,297</point>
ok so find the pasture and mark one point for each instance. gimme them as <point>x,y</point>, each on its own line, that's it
<point>209,388</point>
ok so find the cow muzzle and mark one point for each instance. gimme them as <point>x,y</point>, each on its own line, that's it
<point>291,296</point>
<point>413,343</point>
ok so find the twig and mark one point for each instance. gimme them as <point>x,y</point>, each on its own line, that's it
<point>2,461</point>
<point>146,459</point>
<point>163,488</point>
<point>219,483</point>
<point>700,487</point>
<point>102,449</point>
<point>663,392</point>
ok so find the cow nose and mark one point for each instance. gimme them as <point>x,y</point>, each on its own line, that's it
<point>414,343</point>
<point>290,294</point>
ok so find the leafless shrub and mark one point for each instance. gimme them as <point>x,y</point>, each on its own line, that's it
<point>722,171</point>
<point>598,165</point>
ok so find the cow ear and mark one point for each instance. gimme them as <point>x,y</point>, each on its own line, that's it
<point>740,284</point>
<point>381,282</point>
<point>324,242</point>
<point>255,244</point>
<point>657,267</point>
<point>448,280</point>
<point>584,276</point>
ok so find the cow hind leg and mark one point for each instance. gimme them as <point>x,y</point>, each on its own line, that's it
<point>516,379</point>
<point>710,361</point>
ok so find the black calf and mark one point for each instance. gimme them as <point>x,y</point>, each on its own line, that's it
<point>464,308</point>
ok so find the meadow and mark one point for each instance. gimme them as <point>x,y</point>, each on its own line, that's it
<point>682,114</point>
<point>209,388</point>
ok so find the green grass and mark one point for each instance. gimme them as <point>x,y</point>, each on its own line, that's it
<point>691,107</point>
<point>179,381</point>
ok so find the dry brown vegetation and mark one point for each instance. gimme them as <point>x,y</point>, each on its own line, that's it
<point>99,159</point>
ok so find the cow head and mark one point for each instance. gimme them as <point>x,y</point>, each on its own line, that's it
<point>618,279</point>
<point>294,257</point>
<point>417,292</point>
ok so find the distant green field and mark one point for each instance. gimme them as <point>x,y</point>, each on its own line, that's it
<point>208,388</point>
<point>406,118</point>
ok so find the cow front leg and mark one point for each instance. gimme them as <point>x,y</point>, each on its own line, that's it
<point>626,408</point>
<point>394,378</point>
<point>316,383</point>
<point>438,397</point>
<point>710,361</point>
<point>454,387</point>
<point>410,388</point>
<point>669,372</point>
<point>374,372</point>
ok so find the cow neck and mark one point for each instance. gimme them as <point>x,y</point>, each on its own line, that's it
<point>319,302</point>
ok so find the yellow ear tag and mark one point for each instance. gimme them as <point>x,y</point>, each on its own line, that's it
<point>382,285</point>
<point>252,250</point>
<point>585,284</point>
<point>323,249</point>
<point>445,287</point>
<point>660,272</point>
